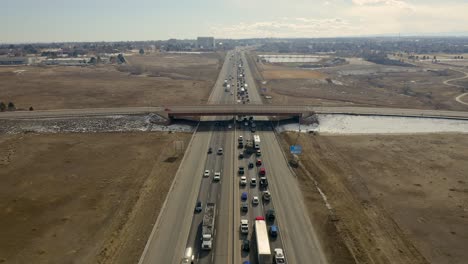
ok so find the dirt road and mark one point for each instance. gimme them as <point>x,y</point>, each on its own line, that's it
<point>82,198</point>
<point>395,199</point>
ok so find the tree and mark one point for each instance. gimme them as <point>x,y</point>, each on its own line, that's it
<point>2,106</point>
<point>120,58</point>
<point>92,60</point>
<point>11,106</point>
<point>142,51</point>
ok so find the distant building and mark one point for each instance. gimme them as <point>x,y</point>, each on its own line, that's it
<point>205,43</point>
<point>17,60</point>
<point>67,61</point>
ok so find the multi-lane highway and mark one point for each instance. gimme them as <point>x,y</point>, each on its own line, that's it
<point>173,228</point>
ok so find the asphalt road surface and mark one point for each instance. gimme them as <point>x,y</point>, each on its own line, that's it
<point>173,227</point>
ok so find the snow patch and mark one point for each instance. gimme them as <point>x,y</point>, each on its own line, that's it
<point>348,124</point>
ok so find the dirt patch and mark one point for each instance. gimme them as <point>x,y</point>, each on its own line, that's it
<point>82,198</point>
<point>292,74</point>
<point>59,87</point>
<point>396,199</point>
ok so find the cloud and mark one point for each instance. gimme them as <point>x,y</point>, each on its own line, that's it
<point>286,27</point>
<point>390,3</point>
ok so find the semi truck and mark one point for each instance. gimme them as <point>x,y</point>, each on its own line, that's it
<point>208,226</point>
<point>263,245</point>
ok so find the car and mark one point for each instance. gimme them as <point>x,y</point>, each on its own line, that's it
<point>262,172</point>
<point>217,176</point>
<point>241,170</point>
<point>266,195</point>
<point>243,181</point>
<point>271,215</point>
<point>246,246</point>
<point>263,182</point>
<point>240,145</point>
<point>241,155</point>
<point>273,231</point>
<point>251,165</point>
<point>279,256</point>
<point>244,226</point>
<point>240,139</point>
<point>255,200</point>
<point>198,206</point>
<point>253,182</point>
<point>220,151</point>
<point>206,173</point>
<point>258,153</point>
<point>244,207</point>
<point>258,162</point>
<point>244,196</point>
<point>210,150</point>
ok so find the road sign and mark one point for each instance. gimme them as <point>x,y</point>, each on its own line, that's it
<point>295,149</point>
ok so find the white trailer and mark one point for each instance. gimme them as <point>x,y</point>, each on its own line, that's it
<point>256,141</point>
<point>208,226</point>
<point>263,245</point>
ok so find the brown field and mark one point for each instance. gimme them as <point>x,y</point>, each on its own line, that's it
<point>292,74</point>
<point>82,198</point>
<point>396,199</point>
<point>148,80</point>
<point>361,83</point>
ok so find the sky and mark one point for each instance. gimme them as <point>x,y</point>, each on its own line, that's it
<point>115,20</point>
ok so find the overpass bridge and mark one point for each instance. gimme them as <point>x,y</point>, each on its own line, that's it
<point>230,110</point>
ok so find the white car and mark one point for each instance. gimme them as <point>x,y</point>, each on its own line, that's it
<point>220,151</point>
<point>217,176</point>
<point>279,256</point>
<point>255,200</point>
<point>243,181</point>
<point>244,226</point>
<point>206,173</point>
<point>266,195</point>
<point>253,182</point>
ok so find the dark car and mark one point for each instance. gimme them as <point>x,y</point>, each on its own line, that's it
<point>241,155</point>
<point>244,207</point>
<point>198,207</point>
<point>251,165</point>
<point>246,245</point>
<point>270,215</point>
<point>210,150</point>
<point>241,170</point>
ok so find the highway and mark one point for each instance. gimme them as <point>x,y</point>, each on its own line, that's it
<point>300,240</point>
<point>170,234</point>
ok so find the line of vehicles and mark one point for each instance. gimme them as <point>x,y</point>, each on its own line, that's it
<point>250,148</point>
<point>264,226</point>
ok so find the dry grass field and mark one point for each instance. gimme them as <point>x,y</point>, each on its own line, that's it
<point>361,83</point>
<point>396,199</point>
<point>148,80</point>
<point>82,198</point>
